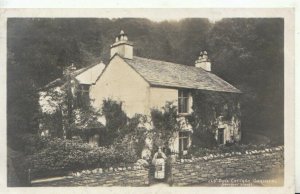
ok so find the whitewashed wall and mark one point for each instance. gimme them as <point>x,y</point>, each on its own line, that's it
<point>159,97</point>
<point>121,83</point>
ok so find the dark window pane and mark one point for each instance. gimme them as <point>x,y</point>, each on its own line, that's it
<point>185,143</point>
<point>185,94</point>
<point>183,134</point>
<point>183,101</point>
<point>83,98</point>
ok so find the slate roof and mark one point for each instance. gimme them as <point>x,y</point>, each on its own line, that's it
<point>166,74</point>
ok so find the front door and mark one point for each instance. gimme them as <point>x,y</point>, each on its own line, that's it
<point>221,136</point>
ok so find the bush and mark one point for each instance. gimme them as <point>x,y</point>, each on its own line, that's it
<point>204,139</point>
<point>29,143</point>
<point>61,156</point>
<point>116,120</point>
<point>165,124</point>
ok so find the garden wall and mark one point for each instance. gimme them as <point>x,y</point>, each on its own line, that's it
<point>198,170</point>
<point>184,172</point>
<point>130,176</point>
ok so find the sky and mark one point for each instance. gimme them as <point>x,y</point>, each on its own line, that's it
<point>212,19</point>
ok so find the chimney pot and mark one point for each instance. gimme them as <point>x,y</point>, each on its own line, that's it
<point>122,46</point>
<point>203,61</point>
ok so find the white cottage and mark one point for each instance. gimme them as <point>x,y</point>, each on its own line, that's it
<point>142,84</point>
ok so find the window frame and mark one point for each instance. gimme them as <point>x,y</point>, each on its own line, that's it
<point>183,102</point>
<point>83,94</point>
<point>182,136</point>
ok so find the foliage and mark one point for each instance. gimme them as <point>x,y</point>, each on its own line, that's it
<point>208,108</point>
<point>60,112</point>
<point>53,122</point>
<point>165,124</point>
<point>128,132</point>
<point>30,143</point>
<point>22,99</point>
<point>134,134</point>
<point>67,155</point>
<point>86,118</point>
<point>249,54</point>
<point>116,120</point>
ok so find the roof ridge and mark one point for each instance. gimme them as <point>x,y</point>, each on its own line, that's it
<point>172,63</point>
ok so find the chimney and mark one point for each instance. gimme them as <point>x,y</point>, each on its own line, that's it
<point>122,46</point>
<point>203,61</point>
<point>69,70</point>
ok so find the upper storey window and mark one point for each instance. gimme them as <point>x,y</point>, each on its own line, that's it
<point>183,101</point>
<point>83,97</point>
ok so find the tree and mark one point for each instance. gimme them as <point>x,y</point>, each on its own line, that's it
<point>22,98</point>
<point>61,101</point>
<point>249,54</point>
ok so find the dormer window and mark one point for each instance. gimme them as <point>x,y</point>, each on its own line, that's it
<point>183,101</point>
<point>83,97</point>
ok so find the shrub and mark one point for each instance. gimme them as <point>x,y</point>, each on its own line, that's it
<point>116,119</point>
<point>29,143</point>
<point>204,139</point>
<point>122,129</point>
<point>165,124</point>
<point>60,156</point>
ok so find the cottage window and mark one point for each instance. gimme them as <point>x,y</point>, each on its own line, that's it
<point>183,101</point>
<point>183,141</point>
<point>220,136</point>
<point>83,97</point>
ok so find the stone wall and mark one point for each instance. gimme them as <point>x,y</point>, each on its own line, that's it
<point>183,172</point>
<point>131,176</point>
<point>198,170</point>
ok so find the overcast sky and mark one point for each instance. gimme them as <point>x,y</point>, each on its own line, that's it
<point>177,18</point>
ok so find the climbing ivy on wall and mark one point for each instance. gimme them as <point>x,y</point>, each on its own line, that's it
<point>208,108</point>
<point>165,124</point>
<point>122,130</point>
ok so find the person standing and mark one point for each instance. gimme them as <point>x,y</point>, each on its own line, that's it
<point>159,162</point>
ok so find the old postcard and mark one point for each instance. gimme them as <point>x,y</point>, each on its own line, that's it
<point>148,100</point>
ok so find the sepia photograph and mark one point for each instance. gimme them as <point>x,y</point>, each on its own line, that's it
<point>145,102</point>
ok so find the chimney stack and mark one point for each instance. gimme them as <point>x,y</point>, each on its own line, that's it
<point>122,46</point>
<point>70,69</point>
<point>203,61</point>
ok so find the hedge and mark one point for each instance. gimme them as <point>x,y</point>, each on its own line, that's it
<point>59,156</point>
